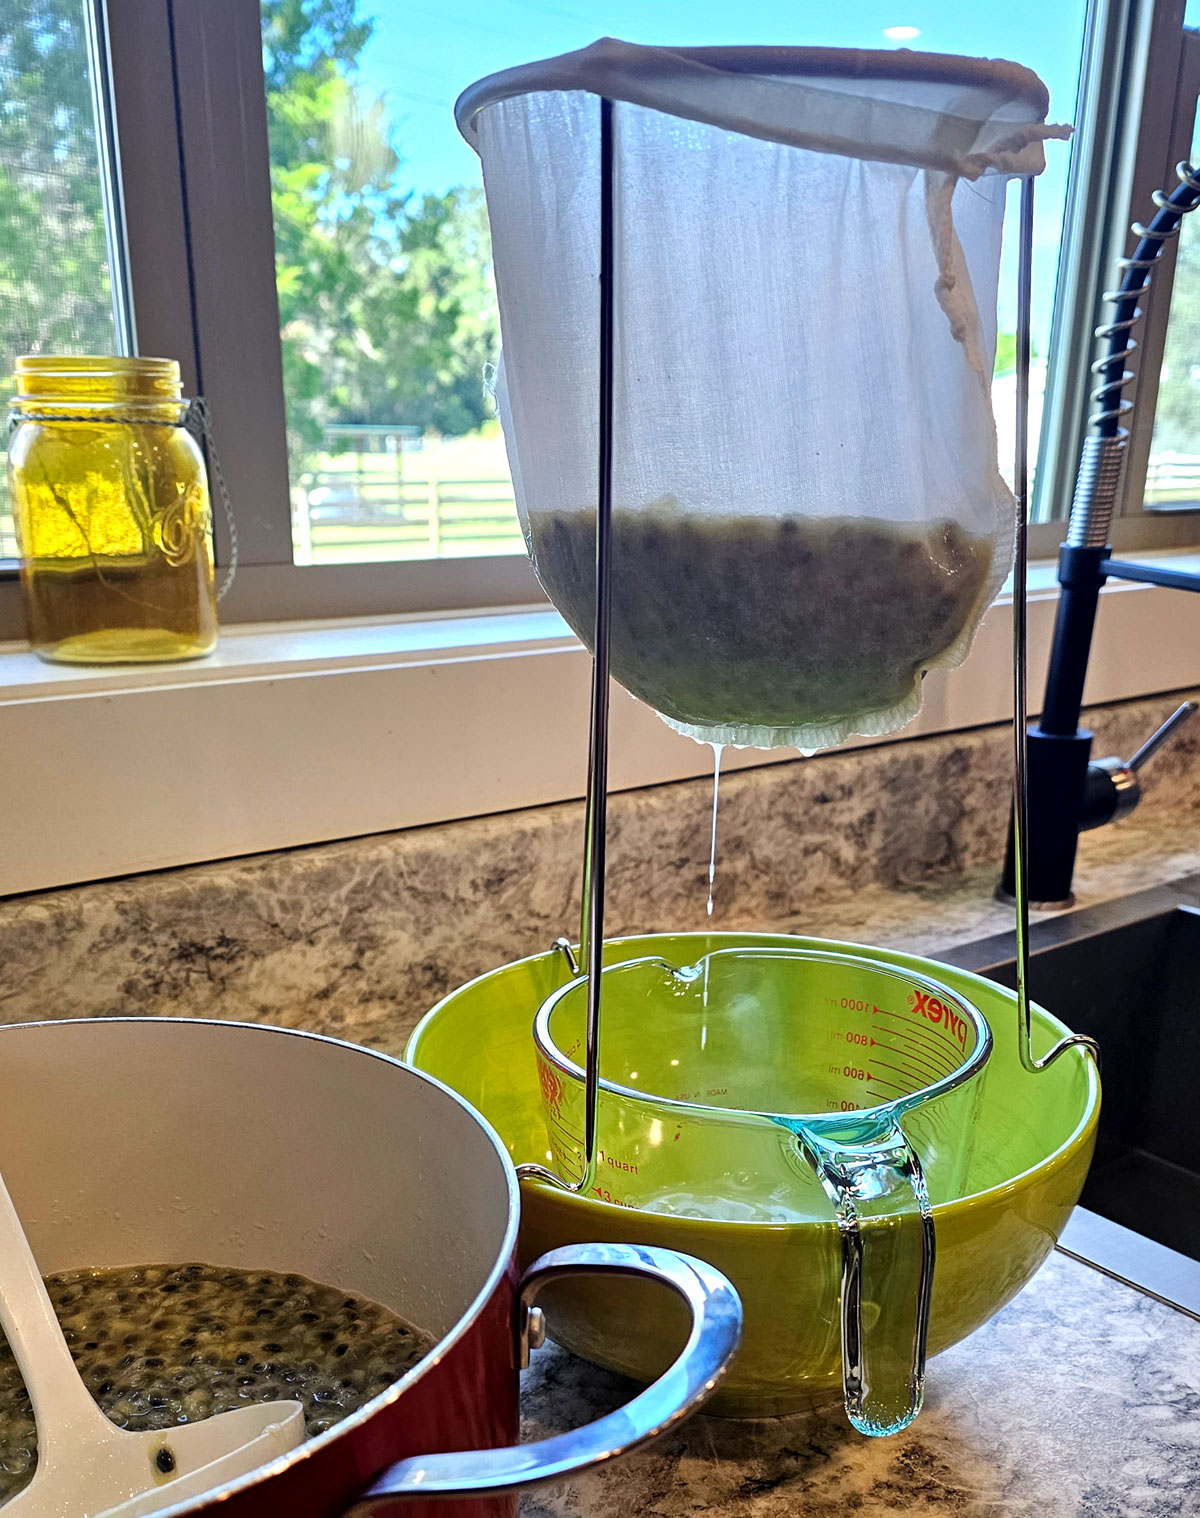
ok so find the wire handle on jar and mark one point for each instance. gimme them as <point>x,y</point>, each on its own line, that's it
<point>196,419</point>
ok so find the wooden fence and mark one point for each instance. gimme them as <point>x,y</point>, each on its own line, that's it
<point>423,519</point>
<point>1173,480</point>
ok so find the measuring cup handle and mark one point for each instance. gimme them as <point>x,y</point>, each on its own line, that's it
<point>878,1181</point>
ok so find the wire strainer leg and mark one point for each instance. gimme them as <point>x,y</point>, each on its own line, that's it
<point>591,937</point>
<point>1021,654</point>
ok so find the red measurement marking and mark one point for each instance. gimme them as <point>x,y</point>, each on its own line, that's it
<point>879,1081</point>
<point>907,1017</point>
<point>928,1066</point>
<point>938,1013</point>
<point>883,1064</point>
<point>917,1031</point>
<point>936,1053</point>
<point>935,1038</point>
<point>607,1196</point>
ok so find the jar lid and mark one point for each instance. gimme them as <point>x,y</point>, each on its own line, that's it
<point>94,379</point>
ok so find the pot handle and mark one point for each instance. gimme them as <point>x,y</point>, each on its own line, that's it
<point>715,1334</point>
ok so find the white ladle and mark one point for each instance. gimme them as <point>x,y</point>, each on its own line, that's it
<point>87,1467</point>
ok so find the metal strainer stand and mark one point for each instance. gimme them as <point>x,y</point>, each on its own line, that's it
<point>591,928</point>
<point>590,959</point>
<point>1021,660</point>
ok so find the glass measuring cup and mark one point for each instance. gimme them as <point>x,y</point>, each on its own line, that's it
<point>763,1084</point>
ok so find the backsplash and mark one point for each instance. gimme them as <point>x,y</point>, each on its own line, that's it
<point>359,938</point>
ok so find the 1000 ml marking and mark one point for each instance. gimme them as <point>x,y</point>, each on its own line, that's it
<point>931,1007</point>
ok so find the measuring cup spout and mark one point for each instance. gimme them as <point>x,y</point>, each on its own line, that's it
<point>874,1179</point>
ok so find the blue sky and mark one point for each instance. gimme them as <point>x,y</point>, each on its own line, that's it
<point>424,53</point>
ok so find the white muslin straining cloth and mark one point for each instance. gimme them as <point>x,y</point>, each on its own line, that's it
<point>807,249</point>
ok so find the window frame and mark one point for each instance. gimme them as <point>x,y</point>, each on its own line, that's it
<point>442,722</point>
<point>1129,140</point>
<point>225,188</point>
<point>1157,307</point>
<point>191,188</point>
<point>192,175</point>
<point>223,141</point>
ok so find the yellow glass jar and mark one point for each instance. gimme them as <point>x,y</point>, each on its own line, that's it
<point>110,497</point>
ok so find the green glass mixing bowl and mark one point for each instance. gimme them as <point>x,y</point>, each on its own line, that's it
<point>996,1221</point>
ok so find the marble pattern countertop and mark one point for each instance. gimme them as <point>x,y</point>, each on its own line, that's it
<point>925,917</point>
<point>1082,1397</point>
<point>896,845</point>
<point>1080,1400</point>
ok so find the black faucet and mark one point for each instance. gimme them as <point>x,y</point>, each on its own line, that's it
<point>1068,791</point>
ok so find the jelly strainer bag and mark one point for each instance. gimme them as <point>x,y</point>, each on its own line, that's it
<point>807,509</point>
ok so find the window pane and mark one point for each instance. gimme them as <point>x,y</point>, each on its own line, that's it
<point>1173,471</point>
<point>55,286</point>
<point>386,302</point>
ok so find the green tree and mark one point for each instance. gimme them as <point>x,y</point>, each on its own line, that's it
<point>1006,353</point>
<point>55,293</point>
<point>1177,413</point>
<point>386,309</point>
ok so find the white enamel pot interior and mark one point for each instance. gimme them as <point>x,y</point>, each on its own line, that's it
<point>163,1140</point>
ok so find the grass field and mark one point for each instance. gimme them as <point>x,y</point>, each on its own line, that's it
<point>452,498</point>
<point>466,479</point>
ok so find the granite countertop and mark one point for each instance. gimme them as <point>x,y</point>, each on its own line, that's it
<point>929,916</point>
<point>1081,1399</point>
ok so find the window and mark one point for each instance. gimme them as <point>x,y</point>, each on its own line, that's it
<point>1173,468</point>
<point>1140,82</point>
<point>1166,431</point>
<point>58,225</point>
<point>1161,496</point>
<point>255,146</point>
<point>387,311</point>
<point>316,252</point>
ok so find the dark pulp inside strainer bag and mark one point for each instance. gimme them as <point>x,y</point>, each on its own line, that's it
<point>807,509</point>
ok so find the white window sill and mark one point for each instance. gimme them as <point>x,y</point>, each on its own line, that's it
<point>254,650</point>
<point>297,733</point>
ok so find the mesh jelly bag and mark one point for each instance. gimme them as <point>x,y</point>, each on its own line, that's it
<point>807,509</point>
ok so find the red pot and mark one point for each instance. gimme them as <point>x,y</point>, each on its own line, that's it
<point>138,1141</point>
